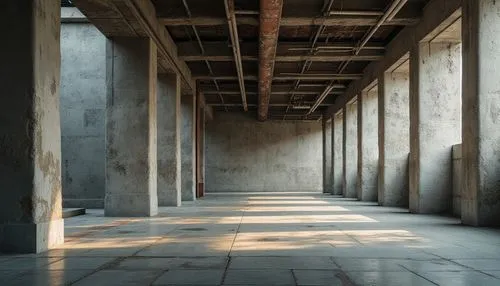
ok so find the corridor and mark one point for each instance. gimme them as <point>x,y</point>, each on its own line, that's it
<point>265,239</point>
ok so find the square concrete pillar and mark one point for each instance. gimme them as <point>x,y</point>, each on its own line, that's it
<point>30,135</point>
<point>394,139</point>
<point>327,154</point>
<point>367,145</point>
<point>131,170</point>
<point>350,149</point>
<point>203,157</point>
<point>188,148</point>
<point>200,148</point>
<point>169,140</point>
<point>338,153</point>
<point>435,124</point>
<point>481,113</point>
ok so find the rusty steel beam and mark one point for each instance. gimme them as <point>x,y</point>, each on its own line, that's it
<point>270,16</point>
<point>233,32</point>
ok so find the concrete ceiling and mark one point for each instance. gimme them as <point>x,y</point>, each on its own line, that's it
<point>302,70</point>
<point>315,59</point>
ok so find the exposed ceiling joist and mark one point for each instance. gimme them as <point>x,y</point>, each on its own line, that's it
<point>313,58</point>
<point>233,32</point>
<point>303,77</point>
<point>290,21</point>
<point>235,92</point>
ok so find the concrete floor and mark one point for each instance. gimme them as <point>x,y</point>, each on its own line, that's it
<point>273,239</point>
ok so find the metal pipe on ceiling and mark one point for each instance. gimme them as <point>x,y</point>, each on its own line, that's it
<point>392,10</point>
<point>307,64</point>
<point>233,32</point>
<point>246,12</point>
<point>356,13</point>
<point>396,10</point>
<point>202,50</point>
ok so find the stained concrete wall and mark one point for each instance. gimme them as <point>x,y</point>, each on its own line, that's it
<point>394,139</point>
<point>83,107</point>
<point>338,153</point>
<point>457,179</point>
<point>435,124</point>
<point>350,150</point>
<point>243,155</point>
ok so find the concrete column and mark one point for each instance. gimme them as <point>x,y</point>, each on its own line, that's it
<point>327,155</point>
<point>435,124</point>
<point>131,167</point>
<point>481,113</point>
<point>350,149</point>
<point>367,146</point>
<point>188,148</point>
<point>338,153</point>
<point>169,140</point>
<point>200,156</point>
<point>394,139</point>
<point>457,180</point>
<point>30,136</point>
<point>203,151</point>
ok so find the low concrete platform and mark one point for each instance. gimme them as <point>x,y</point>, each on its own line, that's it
<point>71,212</point>
<point>265,239</point>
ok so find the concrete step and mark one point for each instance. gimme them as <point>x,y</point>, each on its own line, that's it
<point>71,212</point>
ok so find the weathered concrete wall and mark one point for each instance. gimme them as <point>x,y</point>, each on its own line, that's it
<point>435,124</point>
<point>338,153</point>
<point>368,146</point>
<point>131,142</point>
<point>394,139</point>
<point>457,179</point>
<point>481,113</point>
<point>350,150</point>
<point>188,156</point>
<point>243,155</point>
<point>30,137</point>
<point>327,155</point>
<point>83,108</point>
